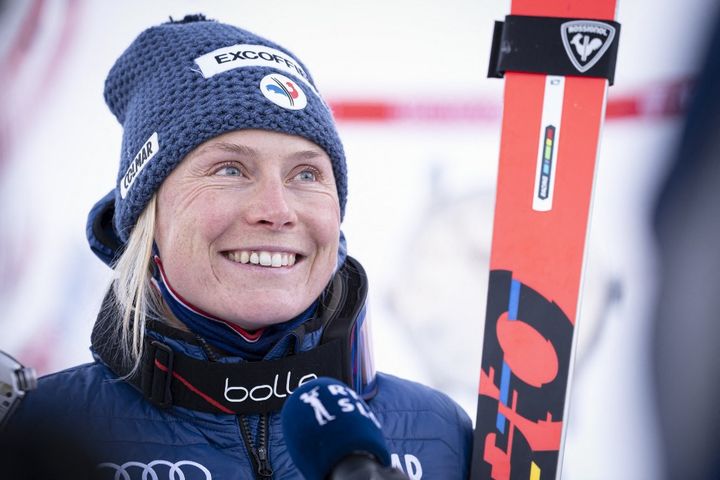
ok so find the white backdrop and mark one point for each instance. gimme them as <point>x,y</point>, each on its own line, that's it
<point>421,191</point>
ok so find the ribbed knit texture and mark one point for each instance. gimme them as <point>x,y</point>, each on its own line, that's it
<point>156,86</point>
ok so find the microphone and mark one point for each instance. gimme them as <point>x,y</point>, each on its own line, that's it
<point>332,434</point>
<point>15,382</point>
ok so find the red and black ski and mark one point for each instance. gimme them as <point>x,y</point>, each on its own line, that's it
<point>552,119</point>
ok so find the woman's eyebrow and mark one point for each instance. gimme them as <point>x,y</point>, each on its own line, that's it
<point>247,151</point>
<point>239,149</point>
<point>305,155</point>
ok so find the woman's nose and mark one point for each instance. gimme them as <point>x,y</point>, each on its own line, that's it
<point>270,206</point>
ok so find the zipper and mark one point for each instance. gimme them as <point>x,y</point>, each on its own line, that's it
<point>258,449</point>
<point>259,455</point>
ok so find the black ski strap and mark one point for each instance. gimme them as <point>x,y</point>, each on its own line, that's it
<point>169,378</point>
<point>555,46</point>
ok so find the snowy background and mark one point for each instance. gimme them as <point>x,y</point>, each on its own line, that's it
<point>422,179</point>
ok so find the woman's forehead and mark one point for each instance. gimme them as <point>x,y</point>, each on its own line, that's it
<point>255,144</point>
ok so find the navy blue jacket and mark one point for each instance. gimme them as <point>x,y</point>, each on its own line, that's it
<point>429,436</point>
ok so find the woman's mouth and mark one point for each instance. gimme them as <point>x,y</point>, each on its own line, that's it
<point>262,258</point>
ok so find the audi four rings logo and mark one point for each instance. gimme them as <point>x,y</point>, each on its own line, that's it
<point>159,470</point>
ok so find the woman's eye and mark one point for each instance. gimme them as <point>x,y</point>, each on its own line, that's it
<point>307,176</point>
<point>229,171</point>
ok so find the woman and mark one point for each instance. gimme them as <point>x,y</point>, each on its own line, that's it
<point>233,286</point>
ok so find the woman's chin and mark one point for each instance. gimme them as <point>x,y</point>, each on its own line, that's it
<point>261,316</point>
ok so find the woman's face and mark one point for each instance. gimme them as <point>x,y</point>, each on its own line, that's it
<point>248,226</point>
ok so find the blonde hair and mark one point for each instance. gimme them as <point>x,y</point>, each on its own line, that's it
<point>136,298</point>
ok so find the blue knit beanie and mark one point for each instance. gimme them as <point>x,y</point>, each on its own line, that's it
<point>184,82</point>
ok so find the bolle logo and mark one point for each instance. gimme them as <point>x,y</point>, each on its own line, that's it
<point>157,469</point>
<point>283,92</point>
<point>142,158</point>
<point>260,393</point>
<point>586,41</point>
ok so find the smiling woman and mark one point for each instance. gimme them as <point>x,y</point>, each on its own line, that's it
<point>233,286</point>
<point>230,213</point>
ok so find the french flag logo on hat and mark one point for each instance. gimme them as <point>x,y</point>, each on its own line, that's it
<point>283,92</point>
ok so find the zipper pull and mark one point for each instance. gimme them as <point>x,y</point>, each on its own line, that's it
<point>264,469</point>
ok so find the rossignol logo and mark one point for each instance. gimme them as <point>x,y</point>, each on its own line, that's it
<point>146,153</point>
<point>262,392</point>
<point>586,41</point>
<point>283,92</point>
<point>158,470</point>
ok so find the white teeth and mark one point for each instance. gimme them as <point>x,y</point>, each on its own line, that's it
<point>264,258</point>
